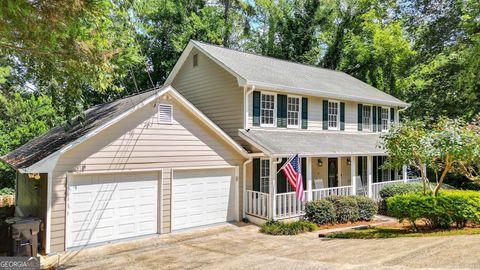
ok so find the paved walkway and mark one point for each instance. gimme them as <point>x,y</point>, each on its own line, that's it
<point>235,247</point>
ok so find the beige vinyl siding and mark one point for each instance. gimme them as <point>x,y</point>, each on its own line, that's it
<point>315,114</point>
<point>214,91</point>
<point>139,142</point>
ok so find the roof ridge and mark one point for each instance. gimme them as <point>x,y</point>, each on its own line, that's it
<point>271,57</point>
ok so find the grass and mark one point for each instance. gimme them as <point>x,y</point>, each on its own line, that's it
<point>287,228</point>
<point>376,233</point>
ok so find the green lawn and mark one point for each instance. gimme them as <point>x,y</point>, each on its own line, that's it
<point>375,233</point>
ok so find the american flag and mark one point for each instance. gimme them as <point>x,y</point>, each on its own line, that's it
<point>294,176</point>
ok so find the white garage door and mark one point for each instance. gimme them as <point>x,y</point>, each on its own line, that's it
<point>110,207</point>
<point>202,197</point>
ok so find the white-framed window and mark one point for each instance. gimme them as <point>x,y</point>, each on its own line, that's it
<point>333,115</point>
<point>264,175</point>
<point>293,112</point>
<point>165,114</point>
<point>385,113</point>
<point>367,117</point>
<point>267,110</point>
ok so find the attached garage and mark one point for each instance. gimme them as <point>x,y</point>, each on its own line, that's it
<point>202,197</point>
<point>146,164</point>
<point>108,207</point>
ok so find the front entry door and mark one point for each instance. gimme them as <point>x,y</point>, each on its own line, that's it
<point>332,172</point>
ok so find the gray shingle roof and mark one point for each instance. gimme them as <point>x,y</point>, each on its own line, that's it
<point>309,143</point>
<point>271,73</point>
<point>41,147</point>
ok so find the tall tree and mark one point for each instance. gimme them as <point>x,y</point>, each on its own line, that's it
<point>68,47</point>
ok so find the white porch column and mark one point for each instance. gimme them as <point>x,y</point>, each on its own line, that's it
<point>353,171</point>
<point>309,179</point>
<point>369,175</point>
<point>424,171</point>
<point>272,188</point>
<point>404,173</point>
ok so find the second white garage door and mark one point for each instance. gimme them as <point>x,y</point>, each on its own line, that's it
<point>202,197</point>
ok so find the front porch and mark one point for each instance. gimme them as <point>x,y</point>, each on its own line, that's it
<point>323,177</point>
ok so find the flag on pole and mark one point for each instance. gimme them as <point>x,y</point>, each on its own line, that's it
<point>292,170</point>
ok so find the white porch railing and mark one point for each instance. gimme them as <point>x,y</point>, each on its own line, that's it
<point>288,206</point>
<point>414,179</point>
<point>376,187</point>
<point>318,194</point>
<point>257,203</point>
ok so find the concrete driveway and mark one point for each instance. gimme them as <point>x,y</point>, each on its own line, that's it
<point>242,246</point>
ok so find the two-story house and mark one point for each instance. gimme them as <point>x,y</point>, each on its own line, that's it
<point>204,149</point>
<point>276,109</point>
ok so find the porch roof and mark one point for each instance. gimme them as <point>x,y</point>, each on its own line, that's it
<point>281,143</point>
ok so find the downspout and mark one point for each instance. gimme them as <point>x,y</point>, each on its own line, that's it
<point>244,185</point>
<point>246,93</point>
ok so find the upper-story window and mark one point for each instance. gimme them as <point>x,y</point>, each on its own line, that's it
<point>367,117</point>
<point>385,119</point>
<point>293,112</point>
<point>333,114</point>
<point>267,110</point>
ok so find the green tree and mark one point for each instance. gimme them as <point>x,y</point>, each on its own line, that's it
<point>22,118</point>
<point>446,146</point>
<point>68,47</point>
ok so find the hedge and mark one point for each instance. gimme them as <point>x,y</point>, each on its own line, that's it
<point>340,209</point>
<point>320,212</point>
<point>449,208</point>
<point>287,228</point>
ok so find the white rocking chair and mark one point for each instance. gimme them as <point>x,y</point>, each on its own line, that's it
<point>361,189</point>
<point>318,183</point>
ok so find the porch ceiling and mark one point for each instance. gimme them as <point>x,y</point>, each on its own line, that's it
<point>308,143</point>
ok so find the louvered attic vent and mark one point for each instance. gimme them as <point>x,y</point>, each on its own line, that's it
<point>165,113</point>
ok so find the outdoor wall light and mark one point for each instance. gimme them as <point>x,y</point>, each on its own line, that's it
<point>319,162</point>
<point>349,162</point>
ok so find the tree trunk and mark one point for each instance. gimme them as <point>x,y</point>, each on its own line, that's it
<point>226,11</point>
<point>442,177</point>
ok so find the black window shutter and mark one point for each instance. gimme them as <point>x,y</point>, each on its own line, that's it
<point>281,111</point>
<point>379,119</point>
<point>359,166</point>
<point>304,172</point>
<point>256,108</point>
<point>374,118</point>
<point>359,117</point>
<point>380,170</point>
<point>375,169</point>
<point>281,179</point>
<point>342,116</point>
<point>325,114</point>
<point>392,174</point>
<point>304,113</point>
<point>256,174</point>
<point>392,115</point>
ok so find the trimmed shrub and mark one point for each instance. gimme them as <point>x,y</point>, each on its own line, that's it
<point>346,208</point>
<point>320,212</point>
<point>287,228</point>
<point>367,208</point>
<point>398,189</point>
<point>449,208</point>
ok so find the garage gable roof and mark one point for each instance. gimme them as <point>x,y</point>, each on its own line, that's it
<point>59,140</point>
<point>286,76</point>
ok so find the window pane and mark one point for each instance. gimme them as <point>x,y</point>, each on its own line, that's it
<point>367,117</point>
<point>293,111</point>
<point>267,109</point>
<point>385,119</point>
<point>264,175</point>
<point>332,114</point>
